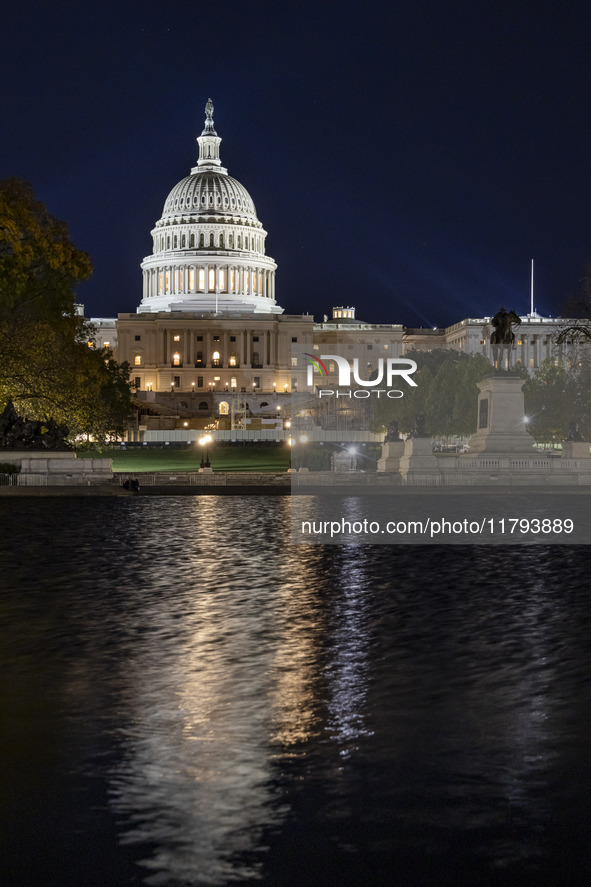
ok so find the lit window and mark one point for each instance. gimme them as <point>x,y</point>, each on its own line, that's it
<point>216,355</point>
<point>331,366</point>
<point>167,282</point>
<point>137,360</point>
<point>222,279</point>
<point>176,338</point>
<point>294,361</point>
<point>233,382</point>
<point>224,408</point>
<point>176,359</point>
<point>106,344</point>
<point>211,280</point>
<point>201,279</point>
<point>181,279</point>
<point>91,344</point>
<point>160,282</point>
<point>233,360</point>
<point>232,279</point>
<point>192,279</point>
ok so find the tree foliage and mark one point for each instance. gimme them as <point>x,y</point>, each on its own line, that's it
<point>446,395</point>
<point>47,368</point>
<point>558,401</point>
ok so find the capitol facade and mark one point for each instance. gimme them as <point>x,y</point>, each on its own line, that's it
<point>209,346</point>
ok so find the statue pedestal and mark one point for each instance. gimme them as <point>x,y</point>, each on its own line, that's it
<point>418,459</point>
<point>391,455</point>
<point>501,418</point>
<point>575,449</point>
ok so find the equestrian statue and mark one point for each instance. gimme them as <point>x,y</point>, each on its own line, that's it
<point>503,337</point>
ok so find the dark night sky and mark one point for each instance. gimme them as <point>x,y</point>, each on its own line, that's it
<point>409,158</point>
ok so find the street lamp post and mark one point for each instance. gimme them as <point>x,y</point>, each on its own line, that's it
<point>204,442</point>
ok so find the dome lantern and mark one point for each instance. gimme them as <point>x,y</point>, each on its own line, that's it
<point>209,144</point>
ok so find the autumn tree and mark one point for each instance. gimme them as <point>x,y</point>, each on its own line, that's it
<point>46,366</point>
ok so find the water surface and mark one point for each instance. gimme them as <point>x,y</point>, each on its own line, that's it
<point>189,699</point>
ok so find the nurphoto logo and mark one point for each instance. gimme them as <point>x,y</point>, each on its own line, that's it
<point>348,373</point>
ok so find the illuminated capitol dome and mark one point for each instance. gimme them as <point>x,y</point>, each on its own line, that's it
<point>209,246</point>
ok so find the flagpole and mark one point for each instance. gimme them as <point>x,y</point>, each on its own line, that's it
<point>531,308</point>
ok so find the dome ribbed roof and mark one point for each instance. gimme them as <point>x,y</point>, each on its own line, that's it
<point>206,193</point>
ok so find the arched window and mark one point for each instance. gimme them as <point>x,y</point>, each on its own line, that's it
<point>239,242</point>
<point>221,241</point>
<point>183,242</point>
<point>211,243</point>
<point>137,360</point>
<point>224,408</point>
<point>175,242</point>
<point>201,241</point>
<point>203,405</point>
<point>211,279</point>
<point>176,359</point>
<point>168,243</point>
<point>192,241</point>
<point>231,241</point>
<point>201,279</point>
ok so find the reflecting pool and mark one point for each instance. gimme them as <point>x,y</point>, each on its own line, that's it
<point>189,699</point>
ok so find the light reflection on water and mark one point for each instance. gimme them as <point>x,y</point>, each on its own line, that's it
<point>242,699</point>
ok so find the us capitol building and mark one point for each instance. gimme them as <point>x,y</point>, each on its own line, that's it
<point>210,347</point>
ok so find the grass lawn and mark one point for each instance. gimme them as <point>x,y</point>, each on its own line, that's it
<point>222,458</point>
